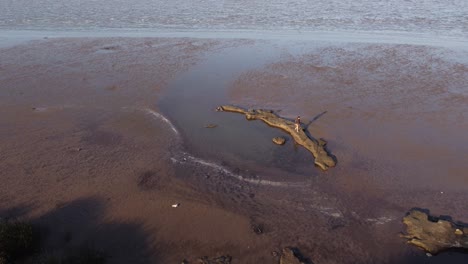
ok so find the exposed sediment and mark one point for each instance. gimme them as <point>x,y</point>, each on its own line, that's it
<point>316,147</point>
<point>434,234</point>
<point>291,256</point>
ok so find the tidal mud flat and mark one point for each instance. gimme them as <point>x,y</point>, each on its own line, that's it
<point>101,136</point>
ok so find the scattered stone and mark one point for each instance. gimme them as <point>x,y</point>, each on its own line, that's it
<point>434,234</point>
<point>275,253</point>
<point>279,140</point>
<point>258,228</point>
<point>291,256</point>
<point>211,126</point>
<point>322,158</point>
<point>176,205</point>
<point>219,260</point>
<point>110,48</point>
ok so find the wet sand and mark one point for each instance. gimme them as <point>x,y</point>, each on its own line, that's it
<point>85,154</point>
<point>99,137</point>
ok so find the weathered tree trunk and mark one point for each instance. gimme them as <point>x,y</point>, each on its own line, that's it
<point>316,147</point>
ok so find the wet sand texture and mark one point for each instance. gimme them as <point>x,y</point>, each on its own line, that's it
<point>316,147</point>
<point>85,153</point>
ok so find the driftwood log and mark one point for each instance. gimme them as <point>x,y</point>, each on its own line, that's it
<point>316,147</point>
<point>434,234</point>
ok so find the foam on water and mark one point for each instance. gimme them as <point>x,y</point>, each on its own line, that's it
<point>189,158</point>
<point>163,118</point>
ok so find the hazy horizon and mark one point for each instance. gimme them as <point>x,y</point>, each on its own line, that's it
<point>448,18</point>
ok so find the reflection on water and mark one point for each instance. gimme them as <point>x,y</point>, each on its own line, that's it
<point>193,97</point>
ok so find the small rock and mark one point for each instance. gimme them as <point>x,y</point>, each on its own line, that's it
<point>279,140</point>
<point>257,228</point>
<point>290,256</point>
<point>458,232</point>
<point>211,126</point>
<point>176,205</point>
<point>428,254</point>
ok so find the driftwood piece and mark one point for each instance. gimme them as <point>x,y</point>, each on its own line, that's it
<point>434,234</point>
<point>316,147</point>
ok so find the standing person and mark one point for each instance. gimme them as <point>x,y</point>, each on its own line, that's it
<point>298,123</point>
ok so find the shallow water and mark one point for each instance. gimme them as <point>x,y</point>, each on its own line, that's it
<point>191,101</point>
<point>429,16</point>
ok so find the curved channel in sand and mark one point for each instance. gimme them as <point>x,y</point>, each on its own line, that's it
<point>189,158</point>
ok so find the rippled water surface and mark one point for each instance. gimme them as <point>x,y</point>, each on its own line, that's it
<point>427,16</point>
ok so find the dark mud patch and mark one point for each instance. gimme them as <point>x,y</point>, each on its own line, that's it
<point>149,180</point>
<point>102,138</point>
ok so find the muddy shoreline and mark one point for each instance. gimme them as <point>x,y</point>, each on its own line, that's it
<point>100,136</point>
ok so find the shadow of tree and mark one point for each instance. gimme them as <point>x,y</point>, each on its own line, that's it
<point>315,118</point>
<point>434,218</point>
<point>15,212</point>
<point>419,257</point>
<point>79,224</point>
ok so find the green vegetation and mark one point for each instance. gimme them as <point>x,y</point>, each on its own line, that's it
<point>16,241</point>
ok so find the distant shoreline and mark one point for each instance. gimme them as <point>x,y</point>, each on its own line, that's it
<point>12,37</point>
